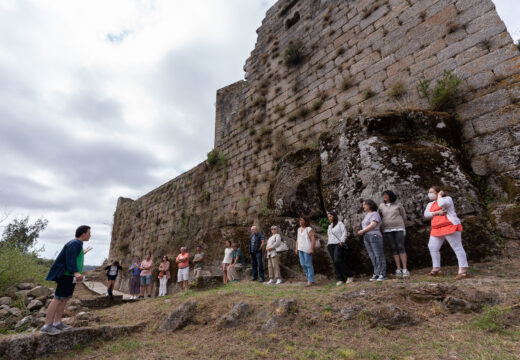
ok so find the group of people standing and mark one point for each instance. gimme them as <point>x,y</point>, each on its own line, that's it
<point>141,273</point>
<point>386,221</point>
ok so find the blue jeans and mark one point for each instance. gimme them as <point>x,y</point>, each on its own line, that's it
<point>306,263</point>
<point>256,262</point>
<point>374,246</point>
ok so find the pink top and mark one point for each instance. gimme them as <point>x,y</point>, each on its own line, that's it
<point>146,264</point>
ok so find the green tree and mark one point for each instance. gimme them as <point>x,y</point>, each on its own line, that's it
<point>21,234</point>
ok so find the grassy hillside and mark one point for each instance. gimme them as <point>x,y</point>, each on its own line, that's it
<point>317,329</point>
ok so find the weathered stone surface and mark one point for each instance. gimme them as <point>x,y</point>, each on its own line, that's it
<point>351,312</point>
<point>295,189</point>
<point>15,312</point>
<point>25,286</point>
<point>39,291</point>
<point>5,300</point>
<point>34,305</point>
<point>102,301</point>
<point>284,307</point>
<point>235,316</point>
<point>26,321</point>
<point>35,345</point>
<point>180,317</point>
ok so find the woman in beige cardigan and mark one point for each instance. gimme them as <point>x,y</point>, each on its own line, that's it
<point>393,223</point>
<point>272,256</point>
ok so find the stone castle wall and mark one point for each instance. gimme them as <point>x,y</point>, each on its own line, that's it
<point>354,52</point>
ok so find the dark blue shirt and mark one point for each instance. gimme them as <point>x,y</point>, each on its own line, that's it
<point>66,260</point>
<point>255,242</point>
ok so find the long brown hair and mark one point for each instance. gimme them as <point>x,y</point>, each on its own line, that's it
<point>306,220</point>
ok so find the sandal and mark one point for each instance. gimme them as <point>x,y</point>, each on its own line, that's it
<point>435,273</point>
<point>461,276</point>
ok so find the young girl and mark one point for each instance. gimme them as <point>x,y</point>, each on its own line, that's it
<point>227,260</point>
<point>305,243</point>
<point>112,271</point>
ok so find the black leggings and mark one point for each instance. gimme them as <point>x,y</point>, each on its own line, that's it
<point>396,239</point>
<point>340,267</point>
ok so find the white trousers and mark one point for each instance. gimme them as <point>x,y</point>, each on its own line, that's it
<point>455,241</point>
<point>162,286</point>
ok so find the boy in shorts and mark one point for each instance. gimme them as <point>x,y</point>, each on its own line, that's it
<point>66,271</point>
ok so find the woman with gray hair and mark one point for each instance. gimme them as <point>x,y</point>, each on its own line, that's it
<point>273,264</point>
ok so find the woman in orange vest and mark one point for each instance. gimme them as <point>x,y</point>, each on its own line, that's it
<point>445,226</point>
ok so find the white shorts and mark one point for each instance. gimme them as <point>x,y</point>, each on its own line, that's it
<point>183,274</point>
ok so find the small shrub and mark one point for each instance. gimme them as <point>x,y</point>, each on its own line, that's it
<point>279,109</point>
<point>212,158</point>
<point>252,131</point>
<point>303,112</point>
<point>259,101</point>
<point>318,103</point>
<point>205,196</point>
<point>493,319</point>
<point>397,90</point>
<point>294,53</point>
<point>445,94</point>
<point>324,223</point>
<point>347,83</point>
<point>346,106</point>
<point>368,93</point>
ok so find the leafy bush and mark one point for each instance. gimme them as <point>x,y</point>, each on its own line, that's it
<point>324,224</point>
<point>294,53</point>
<point>21,234</point>
<point>16,266</point>
<point>214,157</point>
<point>367,94</point>
<point>445,94</point>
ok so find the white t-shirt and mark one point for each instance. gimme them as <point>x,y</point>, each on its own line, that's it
<point>228,255</point>
<point>304,241</point>
<point>112,271</point>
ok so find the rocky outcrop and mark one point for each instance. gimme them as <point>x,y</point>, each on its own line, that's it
<point>180,317</point>
<point>235,316</point>
<point>35,345</point>
<point>406,152</point>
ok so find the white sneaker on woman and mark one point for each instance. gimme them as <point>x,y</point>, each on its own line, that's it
<point>278,282</point>
<point>350,280</point>
<point>339,283</point>
<point>269,282</point>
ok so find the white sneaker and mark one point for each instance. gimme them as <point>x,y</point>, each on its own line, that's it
<point>269,282</point>
<point>406,273</point>
<point>339,283</point>
<point>278,282</point>
<point>350,280</point>
<point>399,273</point>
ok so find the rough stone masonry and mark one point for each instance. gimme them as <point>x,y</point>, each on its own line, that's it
<point>316,66</point>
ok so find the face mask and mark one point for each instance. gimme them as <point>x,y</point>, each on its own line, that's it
<point>432,196</point>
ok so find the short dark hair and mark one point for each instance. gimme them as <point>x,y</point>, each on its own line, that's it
<point>306,219</point>
<point>437,189</point>
<point>116,263</point>
<point>391,195</point>
<point>334,218</point>
<point>82,230</point>
<point>371,204</point>
<point>166,256</point>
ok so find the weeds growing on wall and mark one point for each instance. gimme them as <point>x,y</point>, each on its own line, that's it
<point>294,53</point>
<point>446,93</point>
<point>214,157</point>
<point>397,90</point>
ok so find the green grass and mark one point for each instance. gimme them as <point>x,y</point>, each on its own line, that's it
<point>17,266</point>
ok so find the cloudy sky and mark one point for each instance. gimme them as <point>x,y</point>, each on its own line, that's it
<point>101,99</point>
